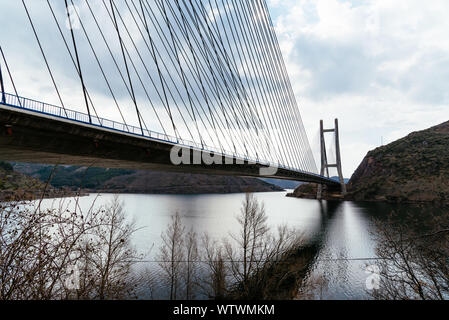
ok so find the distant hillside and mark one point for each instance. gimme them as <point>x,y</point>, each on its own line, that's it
<point>129,181</point>
<point>69,176</point>
<point>285,184</point>
<point>15,185</point>
<point>415,168</point>
<point>13,181</point>
<point>338,179</point>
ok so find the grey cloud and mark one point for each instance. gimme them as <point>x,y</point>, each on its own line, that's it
<point>336,68</point>
<point>427,80</point>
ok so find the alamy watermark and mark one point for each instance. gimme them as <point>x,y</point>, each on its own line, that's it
<point>373,280</point>
<point>186,156</point>
<point>72,279</point>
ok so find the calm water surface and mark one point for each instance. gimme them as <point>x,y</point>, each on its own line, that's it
<point>341,231</point>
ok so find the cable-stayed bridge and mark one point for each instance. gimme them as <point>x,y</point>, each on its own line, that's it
<point>180,85</point>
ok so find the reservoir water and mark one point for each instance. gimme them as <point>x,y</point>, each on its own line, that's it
<point>342,231</point>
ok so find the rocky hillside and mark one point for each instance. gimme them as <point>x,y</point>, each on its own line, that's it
<point>153,182</point>
<point>412,169</point>
<point>305,191</point>
<point>15,185</point>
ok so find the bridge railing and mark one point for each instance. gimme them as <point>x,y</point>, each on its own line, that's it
<point>64,113</point>
<point>53,110</point>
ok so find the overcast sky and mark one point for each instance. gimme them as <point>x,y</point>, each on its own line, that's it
<point>380,66</point>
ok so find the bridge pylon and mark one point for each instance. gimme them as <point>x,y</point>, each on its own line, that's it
<point>325,165</point>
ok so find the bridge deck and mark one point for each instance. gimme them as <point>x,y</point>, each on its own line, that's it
<point>33,131</point>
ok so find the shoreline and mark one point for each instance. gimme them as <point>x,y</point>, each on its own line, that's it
<point>349,199</point>
<point>7,195</point>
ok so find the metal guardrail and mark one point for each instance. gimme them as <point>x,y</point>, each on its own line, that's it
<point>56,111</point>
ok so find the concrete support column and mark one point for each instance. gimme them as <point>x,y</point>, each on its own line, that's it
<point>324,163</point>
<point>338,156</point>
<point>319,195</point>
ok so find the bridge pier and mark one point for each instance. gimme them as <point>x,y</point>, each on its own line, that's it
<point>325,165</point>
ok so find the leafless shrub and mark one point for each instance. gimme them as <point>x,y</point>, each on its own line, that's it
<point>214,281</point>
<point>313,288</point>
<point>190,273</point>
<point>37,247</point>
<point>107,255</point>
<point>41,251</point>
<point>254,263</point>
<point>171,255</point>
<point>250,241</point>
<point>259,262</point>
<point>414,259</point>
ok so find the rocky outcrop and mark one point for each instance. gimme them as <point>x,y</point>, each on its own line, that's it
<point>305,191</point>
<point>310,191</point>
